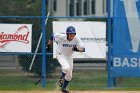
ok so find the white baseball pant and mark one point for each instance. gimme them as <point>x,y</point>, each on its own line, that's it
<point>66,65</point>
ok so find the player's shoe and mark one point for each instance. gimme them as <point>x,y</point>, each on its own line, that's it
<point>65,91</point>
<point>61,81</point>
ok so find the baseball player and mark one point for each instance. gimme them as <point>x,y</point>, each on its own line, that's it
<point>66,45</point>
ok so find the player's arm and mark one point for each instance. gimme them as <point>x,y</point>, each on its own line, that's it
<point>49,43</point>
<point>78,49</point>
<point>81,49</point>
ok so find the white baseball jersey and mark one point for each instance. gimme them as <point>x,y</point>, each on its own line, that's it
<point>64,46</point>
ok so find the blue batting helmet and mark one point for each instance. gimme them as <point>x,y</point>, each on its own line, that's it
<point>70,30</point>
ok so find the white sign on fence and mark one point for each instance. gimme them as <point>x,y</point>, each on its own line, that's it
<point>92,34</point>
<point>15,37</point>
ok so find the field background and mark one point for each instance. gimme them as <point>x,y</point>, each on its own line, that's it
<point>85,81</point>
<point>14,67</point>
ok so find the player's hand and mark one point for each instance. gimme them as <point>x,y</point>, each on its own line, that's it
<point>48,47</point>
<point>75,49</point>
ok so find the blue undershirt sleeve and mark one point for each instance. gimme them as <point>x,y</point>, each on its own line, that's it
<point>51,37</point>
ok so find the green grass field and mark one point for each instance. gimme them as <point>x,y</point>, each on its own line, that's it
<point>84,80</point>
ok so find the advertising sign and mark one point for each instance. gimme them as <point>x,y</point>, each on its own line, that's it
<point>92,35</point>
<point>15,37</point>
<point>126,38</point>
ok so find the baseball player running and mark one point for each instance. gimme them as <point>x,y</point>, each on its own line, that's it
<point>66,45</point>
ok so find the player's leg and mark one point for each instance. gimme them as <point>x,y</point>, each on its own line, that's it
<point>61,79</point>
<point>68,76</point>
<point>67,79</point>
<point>65,68</point>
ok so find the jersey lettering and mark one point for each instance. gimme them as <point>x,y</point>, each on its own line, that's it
<point>68,45</point>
